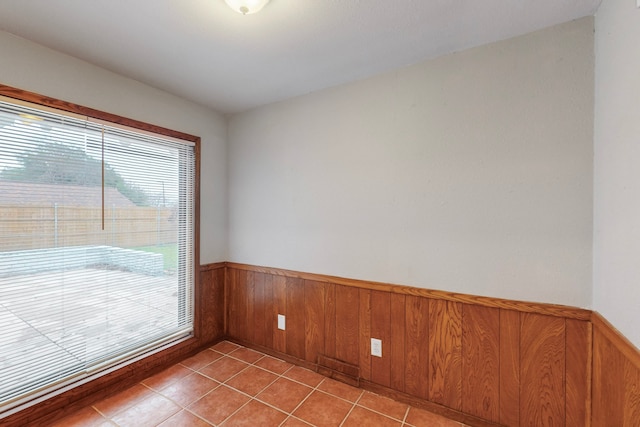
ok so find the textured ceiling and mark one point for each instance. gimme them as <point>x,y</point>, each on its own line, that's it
<point>203,51</point>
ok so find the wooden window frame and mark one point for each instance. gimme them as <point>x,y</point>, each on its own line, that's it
<point>69,399</point>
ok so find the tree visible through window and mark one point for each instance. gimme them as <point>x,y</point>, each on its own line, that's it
<point>60,163</point>
<point>96,247</point>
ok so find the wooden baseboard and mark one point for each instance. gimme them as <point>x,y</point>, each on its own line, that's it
<point>339,370</point>
<point>461,417</point>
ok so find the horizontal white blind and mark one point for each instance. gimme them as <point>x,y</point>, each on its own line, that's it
<point>96,246</point>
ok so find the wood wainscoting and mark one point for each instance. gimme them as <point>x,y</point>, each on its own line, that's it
<point>616,377</point>
<point>489,361</point>
<point>208,328</point>
<point>209,302</point>
<point>507,362</point>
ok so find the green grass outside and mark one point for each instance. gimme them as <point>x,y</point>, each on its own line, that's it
<point>170,253</point>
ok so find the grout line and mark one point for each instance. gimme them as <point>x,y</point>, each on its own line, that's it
<point>100,412</point>
<point>252,398</point>
<point>278,376</point>
<point>165,419</point>
<point>204,366</point>
<point>222,352</point>
<point>197,416</point>
<point>256,366</point>
<point>406,415</point>
<point>351,410</point>
<point>127,406</point>
<point>107,419</point>
<point>300,382</point>
<point>293,417</point>
<point>286,378</point>
<point>265,356</point>
<point>316,388</point>
<point>307,396</point>
<point>185,407</point>
<point>289,415</point>
<point>261,390</point>
<point>382,413</point>
<point>232,376</point>
<point>236,411</point>
<point>338,397</point>
<point>191,403</point>
<point>155,392</point>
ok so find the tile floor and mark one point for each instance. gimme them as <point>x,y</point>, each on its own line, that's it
<point>229,385</point>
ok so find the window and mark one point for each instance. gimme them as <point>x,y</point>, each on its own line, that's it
<point>96,246</point>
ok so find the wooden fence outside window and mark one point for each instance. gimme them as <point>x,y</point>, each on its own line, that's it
<point>39,227</point>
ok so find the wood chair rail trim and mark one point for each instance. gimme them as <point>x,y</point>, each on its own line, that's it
<point>522,306</point>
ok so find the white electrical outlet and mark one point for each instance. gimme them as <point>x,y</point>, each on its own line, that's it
<point>281,322</point>
<point>376,347</point>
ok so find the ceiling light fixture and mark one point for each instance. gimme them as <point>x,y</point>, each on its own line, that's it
<point>246,7</point>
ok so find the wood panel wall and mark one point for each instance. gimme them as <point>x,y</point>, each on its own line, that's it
<point>497,360</point>
<point>616,377</point>
<point>209,303</point>
<point>500,361</point>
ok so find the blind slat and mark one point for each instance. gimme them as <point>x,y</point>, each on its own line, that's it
<point>75,298</point>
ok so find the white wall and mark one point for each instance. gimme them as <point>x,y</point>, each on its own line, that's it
<point>470,173</point>
<point>617,166</point>
<point>32,67</point>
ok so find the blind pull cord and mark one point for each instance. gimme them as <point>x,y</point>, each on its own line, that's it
<point>102,178</point>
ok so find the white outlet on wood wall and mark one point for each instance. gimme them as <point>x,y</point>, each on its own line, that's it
<point>281,322</point>
<point>376,347</point>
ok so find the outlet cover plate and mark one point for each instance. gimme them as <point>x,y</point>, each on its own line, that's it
<point>376,347</point>
<point>281,322</point>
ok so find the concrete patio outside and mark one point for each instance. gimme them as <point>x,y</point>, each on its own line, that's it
<point>74,318</point>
